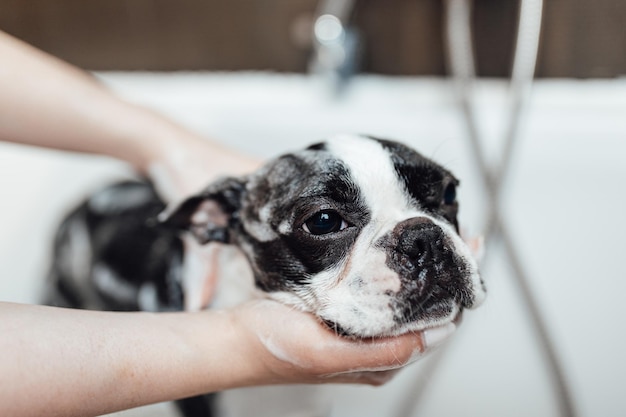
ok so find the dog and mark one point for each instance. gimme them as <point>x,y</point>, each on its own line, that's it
<point>359,231</point>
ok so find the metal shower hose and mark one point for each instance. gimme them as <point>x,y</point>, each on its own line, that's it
<point>459,37</point>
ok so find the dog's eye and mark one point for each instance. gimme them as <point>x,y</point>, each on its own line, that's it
<point>449,195</point>
<point>324,222</point>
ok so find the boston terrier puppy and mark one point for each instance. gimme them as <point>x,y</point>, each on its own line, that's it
<point>361,232</point>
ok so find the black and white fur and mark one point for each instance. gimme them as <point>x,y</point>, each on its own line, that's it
<point>359,231</point>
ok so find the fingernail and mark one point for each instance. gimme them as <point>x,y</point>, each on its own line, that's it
<point>437,335</point>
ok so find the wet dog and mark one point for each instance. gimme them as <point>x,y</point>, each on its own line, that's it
<point>361,232</point>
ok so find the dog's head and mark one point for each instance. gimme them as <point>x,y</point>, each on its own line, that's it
<point>359,231</point>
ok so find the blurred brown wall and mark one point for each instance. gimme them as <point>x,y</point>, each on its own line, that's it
<point>581,38</point>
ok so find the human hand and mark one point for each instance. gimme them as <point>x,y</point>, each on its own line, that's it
<point>185,165</point>
<point>294,347</point>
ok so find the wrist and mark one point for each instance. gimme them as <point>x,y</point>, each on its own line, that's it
<point>181,163</point>
<point>152,139</point>
<point>221,354</point>
<point>257,365</point>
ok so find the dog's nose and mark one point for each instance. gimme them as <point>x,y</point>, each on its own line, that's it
<point>420,240</point>
<point>424,256</point>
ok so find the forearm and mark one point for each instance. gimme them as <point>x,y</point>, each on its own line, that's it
<point>47,102</point>
<point>62,362</point>
<point>89,363</point>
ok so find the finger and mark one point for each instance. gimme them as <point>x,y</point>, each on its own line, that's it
<point>391,352</point>
<point>366,377</point>
<point>383,353</point>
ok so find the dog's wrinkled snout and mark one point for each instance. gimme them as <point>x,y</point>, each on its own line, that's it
<point>428,265</point>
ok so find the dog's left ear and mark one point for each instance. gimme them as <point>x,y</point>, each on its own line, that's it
<point>210,215</point>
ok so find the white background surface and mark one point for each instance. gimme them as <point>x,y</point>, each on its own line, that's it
<point>565,203</point>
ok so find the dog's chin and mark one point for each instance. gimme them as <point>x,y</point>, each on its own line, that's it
<point>409,327</point>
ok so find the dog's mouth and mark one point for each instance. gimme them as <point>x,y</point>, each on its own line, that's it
<point>402,329</point>
<point>338,329</point>
<point>458,319</point>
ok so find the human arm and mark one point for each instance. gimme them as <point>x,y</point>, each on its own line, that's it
<point>62,362</point>
<point>49,103</point>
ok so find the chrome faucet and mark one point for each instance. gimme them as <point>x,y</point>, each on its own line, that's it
<point>336,45</point>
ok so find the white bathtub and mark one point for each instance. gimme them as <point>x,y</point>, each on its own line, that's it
<point>565,204</point>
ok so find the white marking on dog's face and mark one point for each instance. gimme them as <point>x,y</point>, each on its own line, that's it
<point>374,173</point>
<point>358,290</point>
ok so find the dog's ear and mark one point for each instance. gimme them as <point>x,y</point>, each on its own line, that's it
<point>210,215</point>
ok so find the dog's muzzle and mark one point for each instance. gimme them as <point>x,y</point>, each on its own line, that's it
<point>434,275</point>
